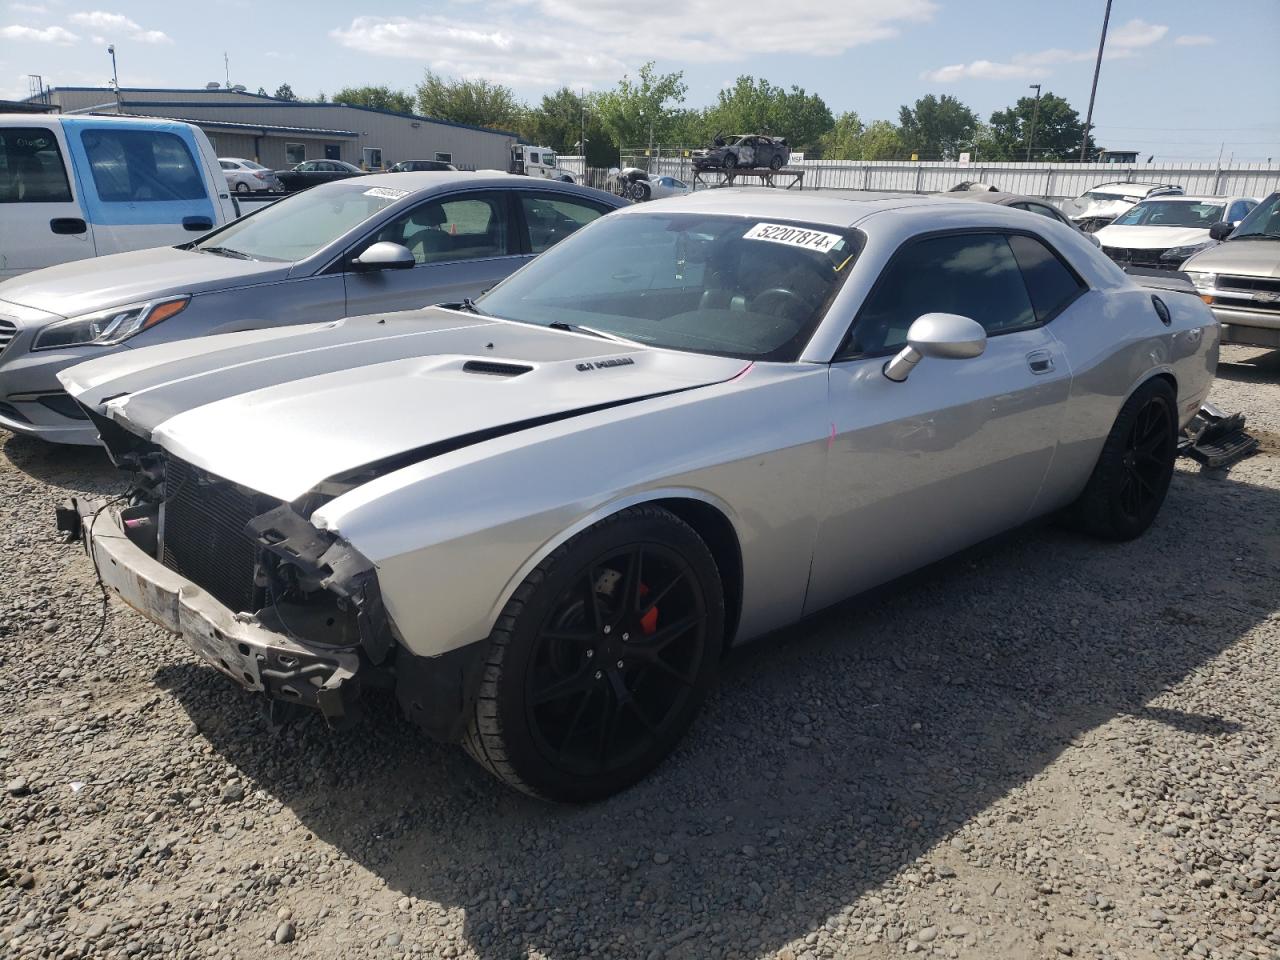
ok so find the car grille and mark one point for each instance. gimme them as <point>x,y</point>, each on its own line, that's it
<point>1248,283</point>
<point>1244,303</point>
<point>204,538</point>
<point>1141,258</point>
<point>8,330</point>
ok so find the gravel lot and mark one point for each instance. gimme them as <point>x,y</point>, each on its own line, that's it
<point>1044,747</point>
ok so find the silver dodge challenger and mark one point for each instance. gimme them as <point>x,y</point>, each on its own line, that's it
<point>541,519</point>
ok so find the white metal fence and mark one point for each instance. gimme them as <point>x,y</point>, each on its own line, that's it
<point>1051,181</point>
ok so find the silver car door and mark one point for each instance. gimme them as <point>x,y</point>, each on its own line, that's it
<point>959,450</point>
<point>462,244</point>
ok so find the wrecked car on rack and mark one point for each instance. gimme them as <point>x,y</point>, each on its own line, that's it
<point>541,518</point>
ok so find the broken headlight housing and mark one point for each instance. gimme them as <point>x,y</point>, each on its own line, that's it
<point>108,327</point>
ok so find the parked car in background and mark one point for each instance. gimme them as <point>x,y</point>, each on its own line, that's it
<point>246,176</point>
<point>311,172</point>
<point>1162,232</point>
<point>1240,277</point>
<point>744,150</point>
<point>640,185</point>
<point>1099,205</point>
<point>384,242</point>
<point>984,193</point>
<point>420,166</point>
<point>84,186</point>
<point>543,517</point>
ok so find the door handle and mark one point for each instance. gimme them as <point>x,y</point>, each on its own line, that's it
<point>68,225</point>
<point>1040,361</point>
<point>197,224</point>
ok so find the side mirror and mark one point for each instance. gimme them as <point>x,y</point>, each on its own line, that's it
<point>1221,230</point>
<point>947,336</point>
<point>385,255</point>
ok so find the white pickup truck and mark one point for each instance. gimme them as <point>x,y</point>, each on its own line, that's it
<point>73,187</point>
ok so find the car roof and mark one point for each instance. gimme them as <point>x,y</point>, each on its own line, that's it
<point>1183,198</point>
<point>832,208</point>
<point>426,181</point>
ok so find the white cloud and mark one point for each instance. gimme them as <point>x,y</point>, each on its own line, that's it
<point>580,42</point>
<point>1194,40</point>
<point>116,26</point>
<point>1122,42</point>
<point>28,8</point>
<point>55,35</point>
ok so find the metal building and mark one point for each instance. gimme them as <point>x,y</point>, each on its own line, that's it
<point>280,133</point>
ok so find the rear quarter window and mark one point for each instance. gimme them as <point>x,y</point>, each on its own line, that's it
<point>1050,283</point>
<point>31,167</point>
<point>141,166</point>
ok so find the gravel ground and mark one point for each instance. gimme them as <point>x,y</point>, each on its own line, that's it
<point>1044,747</point>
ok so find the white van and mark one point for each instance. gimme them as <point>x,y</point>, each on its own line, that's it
<point>73,187</point>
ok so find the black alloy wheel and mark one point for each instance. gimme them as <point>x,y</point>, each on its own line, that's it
<point>601,659</point>
<point>1147,457</point>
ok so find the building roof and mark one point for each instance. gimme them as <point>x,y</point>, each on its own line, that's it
<point>259,100</point>
<point>26,106</point>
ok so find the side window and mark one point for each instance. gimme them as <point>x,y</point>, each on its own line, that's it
<point>1043,211</point>
<point>138,166</point>
<point>1050,283</point>
<point>31,167</point>
<point>227,165</point>
<point>551,219</point>
<point>1239,210</point>
<point>465,228</point>
<point>974,275</point>
<point>294,153</point>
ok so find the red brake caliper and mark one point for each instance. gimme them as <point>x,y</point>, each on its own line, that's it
<point>649,622</point>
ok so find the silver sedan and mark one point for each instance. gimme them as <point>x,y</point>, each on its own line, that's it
<point>542,520</point>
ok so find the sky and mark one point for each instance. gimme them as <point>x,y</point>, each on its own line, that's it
<point>1182,79</point>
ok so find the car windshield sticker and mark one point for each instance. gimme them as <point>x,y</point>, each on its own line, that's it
<point>386,193</point>
<point>794,236</point>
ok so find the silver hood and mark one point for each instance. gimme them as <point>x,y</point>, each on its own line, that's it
<point>83,286</point>
<point>281,410</point>
<point>1249,258</point>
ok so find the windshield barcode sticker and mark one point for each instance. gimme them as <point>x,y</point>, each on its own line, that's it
<point>794,236</point>
<point>386,193</point>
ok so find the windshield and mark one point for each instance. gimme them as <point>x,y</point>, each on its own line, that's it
<point>707,284</point>
<point>296,227</point>
<point>1264,221</point>
<point>1172,213</point>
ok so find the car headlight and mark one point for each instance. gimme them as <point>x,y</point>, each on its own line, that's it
<point>1202,281</point>
<point>108,327</point>
<point>1181,253</point>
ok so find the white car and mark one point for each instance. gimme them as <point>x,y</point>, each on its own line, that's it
<point>1098,206</point>
<point>541,518</point>
<point>245,176</point>
<point>1163,232</point>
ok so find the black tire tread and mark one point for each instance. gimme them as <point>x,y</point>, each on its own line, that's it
<point>484,739</point>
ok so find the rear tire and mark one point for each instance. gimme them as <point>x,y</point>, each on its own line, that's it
<point>1133,472</point>
<point>600,660</point>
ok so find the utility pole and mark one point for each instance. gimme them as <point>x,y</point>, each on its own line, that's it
<point>1035,112</point>
<point>582,137</point>
<point>1093,92</point>
<point>226,63</point>
<point>115,76</point>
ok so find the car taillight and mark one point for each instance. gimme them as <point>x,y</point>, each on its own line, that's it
<point>261,174</point>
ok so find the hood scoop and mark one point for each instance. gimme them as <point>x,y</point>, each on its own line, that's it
<point>495,368</point>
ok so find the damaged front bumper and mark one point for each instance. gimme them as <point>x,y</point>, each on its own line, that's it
<point>327,678</point>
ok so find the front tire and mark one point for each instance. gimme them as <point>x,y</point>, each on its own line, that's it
<point>601,659</point>
<point>776,163</point>
<point>1131,478</point>
<point>242,187</point>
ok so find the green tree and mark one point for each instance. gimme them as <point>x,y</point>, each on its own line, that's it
<point>757,106</point>
<point>262,91</point>
<point>1057,132</point>
<point>284,92</point>
<point>559,122</point>
<point>633,108</point>
<point>379,97</point>
<point>937,127</point>
<point>477,102</point>
<point>849,139</point>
